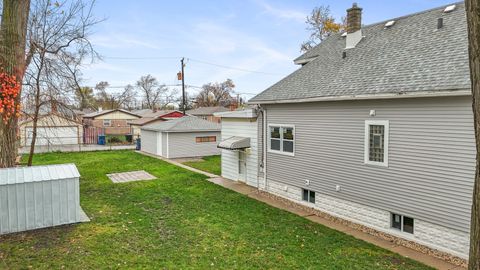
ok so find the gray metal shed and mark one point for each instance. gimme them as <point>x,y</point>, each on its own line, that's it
<point>39,197</point>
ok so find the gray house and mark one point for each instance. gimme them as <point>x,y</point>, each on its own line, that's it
<point>376,127</point>
<point>188,136</point>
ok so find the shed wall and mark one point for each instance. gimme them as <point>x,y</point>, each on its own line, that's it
<point>184,145</point>
<point>33,205</point>
<point>149,142</point>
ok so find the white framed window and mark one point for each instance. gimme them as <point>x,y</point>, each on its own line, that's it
<point>107,123</point>
<point>308,196</point>
<point>281,139</point>
<point>402,223</point>
<point>376,142</point>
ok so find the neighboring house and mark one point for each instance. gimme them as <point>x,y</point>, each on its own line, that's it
<point>113,122</point>
<point>206,113</point>
<point>52,129</point>
<point>150,117</point>
<point>78,114</point>
<point>376,127</point>
<point>240,145</point>
<point>187,136</point>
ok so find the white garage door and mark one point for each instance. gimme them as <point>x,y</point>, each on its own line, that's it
<point>53,135</point>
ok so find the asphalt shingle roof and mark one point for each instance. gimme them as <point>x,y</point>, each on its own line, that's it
<point>95,114</point>
<point>183,124</point>
<point>207,110</point>
<point>411,56</point>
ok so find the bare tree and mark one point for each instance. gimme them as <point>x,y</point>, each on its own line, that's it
<point>57,45</point>
<point>155,96</point>
<point>114,100</point>
<point>13,31</point>
<point>216,94</point>
<point>473,18</point>
<point>321,25</point>
<point>84,97</point>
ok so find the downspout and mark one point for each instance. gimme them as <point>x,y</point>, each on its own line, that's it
<point>264,134</point>
<point>264,150</point>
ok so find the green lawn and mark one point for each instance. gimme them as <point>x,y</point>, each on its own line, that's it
<point>210,164</point>
<point>180,220</point>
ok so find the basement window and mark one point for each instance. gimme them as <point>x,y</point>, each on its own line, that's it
<point>376,142</point>
<point>402,223</point>
<point>308,196</point>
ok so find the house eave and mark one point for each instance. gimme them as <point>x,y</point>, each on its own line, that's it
<point>418,94</point>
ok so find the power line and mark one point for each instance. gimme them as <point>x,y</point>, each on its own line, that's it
<point>232,68</point>
<point>193,60</point>
<point>142,58</point>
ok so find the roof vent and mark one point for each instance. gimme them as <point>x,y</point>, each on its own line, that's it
<point>439,23</point>
<point>389,24</point>
<point>449,9</point>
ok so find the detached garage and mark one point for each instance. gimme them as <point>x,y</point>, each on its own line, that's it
<point>188,136</point>
<point>52,129</point>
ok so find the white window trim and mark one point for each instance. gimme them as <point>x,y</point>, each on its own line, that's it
<point>109,121</point>
<point>281,140</point>
<point>401,230</point>
<point>386,124</point>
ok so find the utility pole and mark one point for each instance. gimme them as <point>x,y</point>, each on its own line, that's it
<point>183,86</point>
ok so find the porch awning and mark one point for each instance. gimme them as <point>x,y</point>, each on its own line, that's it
<point>235,143</point>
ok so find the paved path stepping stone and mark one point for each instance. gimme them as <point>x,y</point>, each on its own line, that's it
<point>130,176</point>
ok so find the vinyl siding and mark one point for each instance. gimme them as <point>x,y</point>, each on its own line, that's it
<point>431,155</point>
<point>184,145</point>
<point>149,141</point>
<point>244,128</point>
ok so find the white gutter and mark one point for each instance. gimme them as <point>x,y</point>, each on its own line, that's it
<point>463,92</point>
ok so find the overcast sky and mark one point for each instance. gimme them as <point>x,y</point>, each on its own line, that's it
<point>253,42</point>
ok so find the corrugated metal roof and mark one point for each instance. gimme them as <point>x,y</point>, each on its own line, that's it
<point>18,175</point>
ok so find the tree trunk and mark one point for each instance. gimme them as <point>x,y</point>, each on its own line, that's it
<point>13,30</point>
<point>473,17</point>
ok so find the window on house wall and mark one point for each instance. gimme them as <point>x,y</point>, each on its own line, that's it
<point>206,139</point>
<point>282,139</point>
<point>107,123</point>
<point>402,223</point>
<point>376,142</point>
<point>308,195</point>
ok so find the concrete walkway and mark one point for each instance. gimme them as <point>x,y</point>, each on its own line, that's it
<point>254,194</point>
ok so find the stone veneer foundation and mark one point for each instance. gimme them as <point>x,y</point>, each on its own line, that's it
<point>431,235</point>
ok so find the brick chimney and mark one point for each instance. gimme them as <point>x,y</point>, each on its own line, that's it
<point>354,26</point>
<point>354,18</point>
